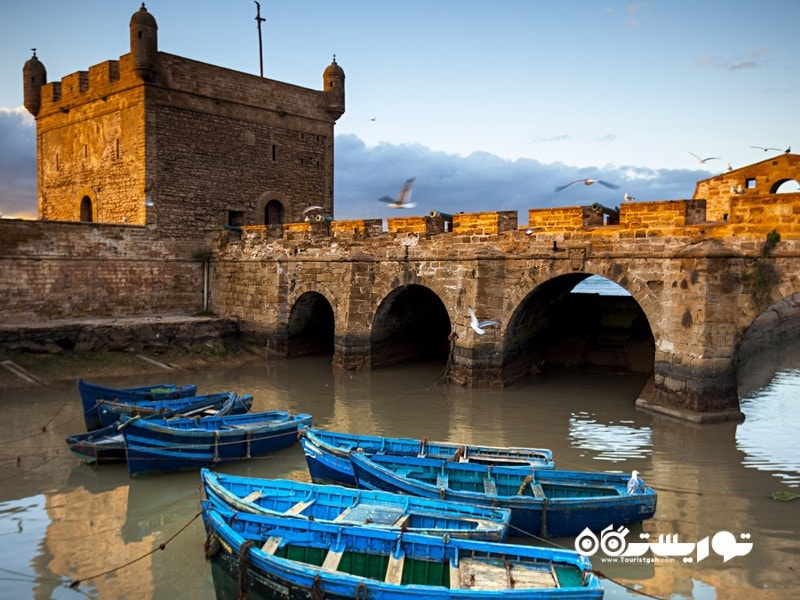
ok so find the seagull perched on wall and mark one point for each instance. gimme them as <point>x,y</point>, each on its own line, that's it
<point>588,182</point>
<point>766,149</point>
<point>629,198</point>
<point>702,160</point>
<point>479,326</point>
<point>403,199</point>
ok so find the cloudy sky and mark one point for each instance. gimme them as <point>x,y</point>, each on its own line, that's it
<point>490,105</point>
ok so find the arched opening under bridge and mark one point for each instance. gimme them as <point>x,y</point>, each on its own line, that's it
<point>311,326</point>
<point>410,324</point>
<point>593,326</point>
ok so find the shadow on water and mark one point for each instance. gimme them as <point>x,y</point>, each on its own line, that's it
<point>62,520</point>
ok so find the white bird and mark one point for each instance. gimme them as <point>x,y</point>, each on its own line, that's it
<point>629,198</point>
<point>478,326</point>
<point>702,160</point>
<point>766,149</point>
<point>634,483</point>
<point>730,168</point>
<point>313,208</point>
<point>403,199</point>
<point>588,182</point>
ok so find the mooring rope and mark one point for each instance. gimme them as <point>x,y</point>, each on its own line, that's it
<point>161,546</point>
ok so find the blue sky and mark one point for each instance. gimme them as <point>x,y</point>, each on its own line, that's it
<point>490,105</point>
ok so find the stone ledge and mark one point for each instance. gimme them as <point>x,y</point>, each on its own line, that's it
<point>690,415</point>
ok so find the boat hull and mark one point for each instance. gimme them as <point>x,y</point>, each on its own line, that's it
<point>286,558</point>
<point>91,393</point>
<point>328,460</point>
<point>349,506</point>
<point>564,503</point>
<point>158,445</point>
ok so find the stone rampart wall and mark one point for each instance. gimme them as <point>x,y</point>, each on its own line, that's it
<point>51,270</point>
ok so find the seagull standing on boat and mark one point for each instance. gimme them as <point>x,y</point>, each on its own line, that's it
<point>634,483</point>
<point>479,326</point>
<point>403,199</point>
<point>588,182</point>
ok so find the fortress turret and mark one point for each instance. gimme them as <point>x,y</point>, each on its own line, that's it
<point>34,76</point>
<point>333,85</point>
<point>144,43</point>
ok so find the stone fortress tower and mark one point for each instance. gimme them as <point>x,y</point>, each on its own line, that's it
<point>178,145</point>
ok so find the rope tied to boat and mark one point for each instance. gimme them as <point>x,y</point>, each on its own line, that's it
<point>241,568</point>
<point>211,546</point>
<point>316,589</point>
<point>361,591</point>
<point>528,479</point>
<point>216,446</point>
<point>543,530</point>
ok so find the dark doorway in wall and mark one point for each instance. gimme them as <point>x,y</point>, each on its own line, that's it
<point>86,209</point>
<point>273,213</point>
<point>410,324</point>
<point>311,326</point>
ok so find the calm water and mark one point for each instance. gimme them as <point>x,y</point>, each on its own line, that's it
<point>61,520</point>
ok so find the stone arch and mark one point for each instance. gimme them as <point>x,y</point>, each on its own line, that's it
<point>86,207</point>
<point>271,208</point>
<point>786,185</point>
<point>311,326</point>
<point>549,325</point>
<point>411,322</point>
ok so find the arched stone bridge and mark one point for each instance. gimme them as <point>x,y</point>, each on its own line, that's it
<point>373,297</point>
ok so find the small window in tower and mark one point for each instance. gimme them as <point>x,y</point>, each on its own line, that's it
<point>751,183</point>
<point>235,218</point>
<point>58,162</point>
<point>85,151</point>
<point>274,151</point>
<point>302,161</point>
<point>86,209</point>
<point>117,149</point>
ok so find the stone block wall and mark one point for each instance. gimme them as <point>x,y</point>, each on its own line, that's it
<point>52,271</point>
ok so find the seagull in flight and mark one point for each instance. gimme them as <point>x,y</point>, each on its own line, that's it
<point>312,208</point>
<point>588,182</point>
<point>629,198</point>
<point>766,149</point>
<point>702,160</point>
<point>478,326</point>
<point>403,199</point>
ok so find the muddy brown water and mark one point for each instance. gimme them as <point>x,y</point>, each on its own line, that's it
<point>62,521</point>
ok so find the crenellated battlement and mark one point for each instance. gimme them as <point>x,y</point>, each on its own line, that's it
<point>98,83</point>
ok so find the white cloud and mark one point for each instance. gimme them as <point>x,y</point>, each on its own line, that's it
<point>447,182</point>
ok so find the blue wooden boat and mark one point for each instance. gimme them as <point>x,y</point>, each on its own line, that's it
<point>327,453</point>
<point>110,411</point>
<point>161,445</point>
<point>543,503</point>
<point>349,506</point>
<point>91,392</point>
<point>107,444</point>
<point>268,557</point>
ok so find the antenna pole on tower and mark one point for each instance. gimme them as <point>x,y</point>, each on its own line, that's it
<point>259,20</point>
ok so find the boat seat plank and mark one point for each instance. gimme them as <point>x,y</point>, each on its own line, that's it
<point>537,490</point>
<point>253,496</point>
<point>271,545</point>
<point>455,577</point>
<point>394,571</point>
<point>479,575</point>
<point>332,559</point>
<point>299,507</point>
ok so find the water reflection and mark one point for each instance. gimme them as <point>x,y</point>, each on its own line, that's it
<point>62,520</point>
<point>611,442</point>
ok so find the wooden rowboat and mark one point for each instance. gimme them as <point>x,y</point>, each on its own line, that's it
<point>269,557</point>
<point>91,393</point>
<point>327,453</point>
<point>107,444</point>
<point>343,505</point>
<point>543,503</point>
<point>161,445</point>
